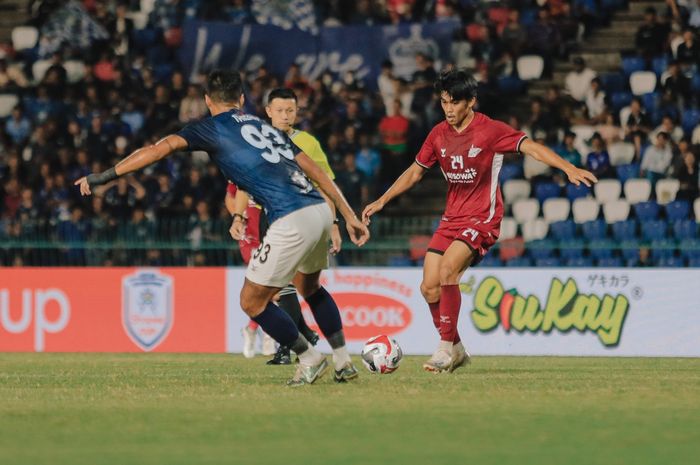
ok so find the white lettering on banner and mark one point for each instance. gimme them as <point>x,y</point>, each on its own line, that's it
<point>42,324</point>
<point>202,63</point>
<point>376,316</point>
<point>365,281</point>
<point>313,65</point>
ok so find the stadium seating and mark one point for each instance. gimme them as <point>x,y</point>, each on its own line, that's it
<point>646,211</point>
<point>632,64</point>
<point>624,230</point>
<point>662,248</point>
<point>509,228</point>
<point>653,230</point>
<point>690,249</point>
<point>607,190</point>
<point>546,190</point>
<point>530,67</point>
<point>515,189</point>
<point>613,82</point>
<point>574,192</point>
<point>75,70</point>
<point>630,250</point>
<point>510,85</point>
<point>572,248</point>
<point>677,210</point>
<point>525,210</point>
<point>519,262</point>
<point>39,69</point>
<point>625,172</point>
<point>601,248</point>
<point>563,230</point>
<point>585,210</point>
<point>579,262</point>
<point>642,82</point>
<point>619,100</point>
<point>24,37</point>
<point>666,190</point>
<point>621,153</point>
<point>670,262</point>
<point>694,262</point>
<point>511,171</point>
<point>691,118</point>
<point>7,103</point>
<point>616,210</point>
<point>491,260</point>
<point>659,65</point>
<point>541,248</point>
<point>637,190</point>
<point>534,229</point>
<point>596,229</point>
<point>684,229</point>
<point>549,262</point>
<point>614,262</point>
<point>556,209</point>
<point>696,209</point>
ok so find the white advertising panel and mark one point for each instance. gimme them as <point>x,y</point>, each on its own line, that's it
<point>558,311</point>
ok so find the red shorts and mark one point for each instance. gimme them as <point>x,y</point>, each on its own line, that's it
<point>478,237</point>
<point>251,240</point>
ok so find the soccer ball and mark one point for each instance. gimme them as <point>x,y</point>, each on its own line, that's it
<point>381,355</point>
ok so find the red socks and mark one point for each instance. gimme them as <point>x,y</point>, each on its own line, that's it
<point>435,313</point>
<point>450,303</point>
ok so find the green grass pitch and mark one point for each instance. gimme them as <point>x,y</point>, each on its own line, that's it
<point>215,409</point>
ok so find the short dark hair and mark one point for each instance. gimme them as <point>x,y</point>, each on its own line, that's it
<point>281,92</point>
<point>224,86</point>
<point>457,83</point>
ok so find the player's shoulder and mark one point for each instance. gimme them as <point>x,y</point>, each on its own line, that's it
<point>303,136</point>
<point>439,129</point>
<point>486,123</point>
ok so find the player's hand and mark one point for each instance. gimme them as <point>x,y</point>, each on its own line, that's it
<point>370,210</point>
<point>237,229</point>
<point>577,176</point>
<point>359,234</point>
<point>84,186</point>
<point>336,240</point>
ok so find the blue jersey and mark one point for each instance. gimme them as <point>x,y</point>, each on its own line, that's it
<point>256,157</point>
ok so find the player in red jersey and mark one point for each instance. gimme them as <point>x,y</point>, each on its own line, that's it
<point>469,147</point>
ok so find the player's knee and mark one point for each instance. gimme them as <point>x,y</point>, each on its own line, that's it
<point>251,306</point>
<point>448,274</point>
<point>306,289</point>
<point>430,293</point>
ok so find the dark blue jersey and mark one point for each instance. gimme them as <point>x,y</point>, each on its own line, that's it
<point>256,157</point>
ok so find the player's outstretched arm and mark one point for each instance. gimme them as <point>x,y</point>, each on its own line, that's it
<point>138,159</point>
<point>359,234</point>
<point>408,179</point>
<point>541,153</point>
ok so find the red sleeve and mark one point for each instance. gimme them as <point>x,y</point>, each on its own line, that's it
<point>426,155</point>
<point>231,189</point>
<point>505,138</point>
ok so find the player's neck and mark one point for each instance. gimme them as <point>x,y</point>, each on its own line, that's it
<point>464,124</point>
<point>218,109</point>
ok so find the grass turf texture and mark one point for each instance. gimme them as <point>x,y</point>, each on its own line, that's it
<point>211,409</point>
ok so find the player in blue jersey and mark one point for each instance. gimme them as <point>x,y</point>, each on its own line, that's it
<point>263,161</point>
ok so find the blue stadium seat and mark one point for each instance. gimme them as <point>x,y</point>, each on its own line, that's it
<point>519,262</point>
<point>511,171</point>
<point>579,262</point>
<point>630,250</point>
<point>540,249</point>
<point>574,192</point>
<point>621,99</point>
<point>563,230</point>
<point>659,65</point>
<point>625,172</point>
<point>690,248</point>
<point>570,249</point>
<point>163,72</point>
<point>614,262</point>
<point>491,260</point>
<point>143,39</point>
<point>528,16</point>
<point>653,230</point>
<point>596,229</point>
<point>510,85</point>
<point>647,210</point>
<point>690,119</point>
<point>651,101</point>
<point>671,262</point>
<point>678,210</point>
<point>551,262</point>
<point>695,83</point>
<point>685,229</point>
<point>613,82</point>
<point>663,248</point>
<point>694,262</point>
<point>400,261</point>
<point>632,64</point>
<point>547,190</point>
<point>601,248</point>
<point>624,230</point>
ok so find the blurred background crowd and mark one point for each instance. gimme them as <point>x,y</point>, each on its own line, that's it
<point>103,79</point>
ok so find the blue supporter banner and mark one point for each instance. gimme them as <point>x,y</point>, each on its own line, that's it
<point>360,49</point>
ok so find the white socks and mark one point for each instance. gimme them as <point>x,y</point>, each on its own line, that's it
<point>446,346</point>
<point>310,356</point>
<point>340,357</point>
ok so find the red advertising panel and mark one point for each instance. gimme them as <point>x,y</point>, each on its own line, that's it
<point>112,309</point>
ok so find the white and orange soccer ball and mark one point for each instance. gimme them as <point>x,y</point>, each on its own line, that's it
<point>381,355</point>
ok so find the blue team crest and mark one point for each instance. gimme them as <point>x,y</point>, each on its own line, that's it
<point>147,307</point>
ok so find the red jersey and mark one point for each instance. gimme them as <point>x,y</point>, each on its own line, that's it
<point>251,241</point>
<point>470,162</point>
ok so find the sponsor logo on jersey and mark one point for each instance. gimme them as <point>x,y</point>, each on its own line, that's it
<point>473,151</point>
<point>466,176</point>
<point>147,307</point>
